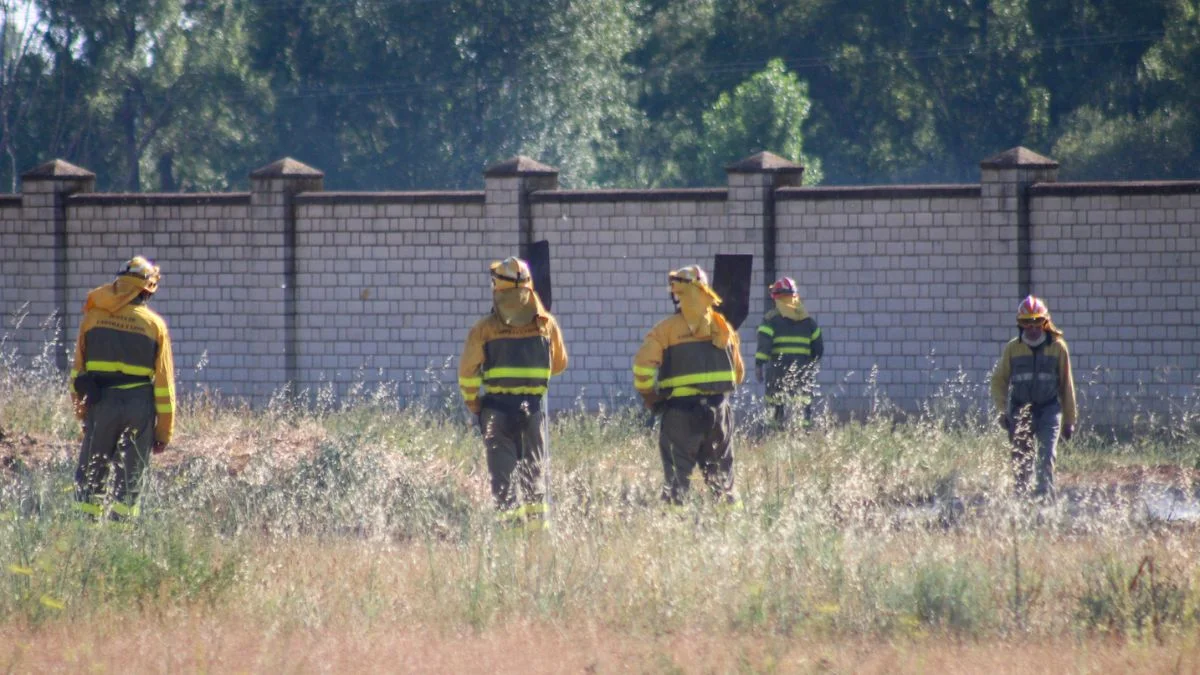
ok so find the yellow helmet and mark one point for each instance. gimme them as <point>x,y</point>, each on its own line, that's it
<point>512,272</point>
<point>140,267</point>
<point>693,275</point>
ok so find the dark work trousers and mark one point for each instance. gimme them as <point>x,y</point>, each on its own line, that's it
<point>1035,439</point>
<point>118,431</point>
<point>697,430</point>
<point>514,433</point>
<point>790,384</point>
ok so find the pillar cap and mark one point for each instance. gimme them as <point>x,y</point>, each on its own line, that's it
<point>57,169</point>
<point>287,168</point>
<point>1018,158</point>
<point>764,162</point>
<point>519,166</point>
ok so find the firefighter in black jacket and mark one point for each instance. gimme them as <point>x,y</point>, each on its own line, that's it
<point>789,349</point>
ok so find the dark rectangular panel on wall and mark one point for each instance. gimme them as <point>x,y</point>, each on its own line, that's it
<point>539,267</point>
<point>731,281</point>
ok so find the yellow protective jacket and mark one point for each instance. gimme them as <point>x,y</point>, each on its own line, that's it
<point>674,362</point>
<point>126,345</point>
<point>1035,376</point>
<point>505,359</point>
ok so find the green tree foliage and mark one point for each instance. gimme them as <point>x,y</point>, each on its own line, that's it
<point>921,90</point>
<point>1158,137</point>
<point>427,94</point>
<point>413,94</point>
<point>23,72</point>
<point>160,91</point>
<point>763,113</point>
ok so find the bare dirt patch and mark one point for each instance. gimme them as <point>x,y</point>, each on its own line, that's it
<point>192,643</point>
<point>1162,474</point>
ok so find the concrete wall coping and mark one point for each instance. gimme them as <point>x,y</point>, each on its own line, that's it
<point>519,166</point>
<point>57,169</point>
<point>877,192</point>
<point>1158,187</point>
<point>157,199</point>
<point>665,195</point>
<point>425,197</point>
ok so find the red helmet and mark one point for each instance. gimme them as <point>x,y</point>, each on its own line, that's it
<point>785,286</point>
<point>1032,307</point>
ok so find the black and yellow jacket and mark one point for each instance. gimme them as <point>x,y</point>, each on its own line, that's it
<point>126,346</point>
<point>674,362</point>
<point>505,359</point>
<point>1035,376</point>
<point>785,341</point>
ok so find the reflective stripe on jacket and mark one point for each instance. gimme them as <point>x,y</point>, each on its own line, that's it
<point>673,362</point>
<point>127,349</point>
<point>1035,375</point>
<point>505,359</point>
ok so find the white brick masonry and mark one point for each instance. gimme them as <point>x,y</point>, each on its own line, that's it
<point>1121,273</point>
<point>896,283</point>
<point>219,291</point>
<point>918,283</point>
<point>610,262</point>
<point>387,290</point>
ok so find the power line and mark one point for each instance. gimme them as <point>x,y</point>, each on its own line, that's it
<point>396,87</point>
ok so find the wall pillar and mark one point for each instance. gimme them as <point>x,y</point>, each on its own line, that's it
<point>506,202</point>
<point>43,273</point>
<point>751,206</point>
<point>1007,262</point>
<point>271,335</point>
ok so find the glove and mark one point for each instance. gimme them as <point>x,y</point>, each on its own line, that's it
<point>652,401</point>
<point>759,375</point>
<point>1005,424</point>
<point>1068,431</point>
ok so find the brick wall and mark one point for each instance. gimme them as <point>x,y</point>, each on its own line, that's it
<point>611,252</point>
<point>25,255</point>
<point>915,287</point>
<point>221,274</point>
<point>389,285</point>
<point>1120,265</point>
<point>895,278</point>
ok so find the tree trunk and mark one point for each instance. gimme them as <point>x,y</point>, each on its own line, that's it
<point>166,173</point>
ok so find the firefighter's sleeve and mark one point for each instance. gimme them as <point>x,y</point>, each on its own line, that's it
<point>646,364</point>
<point>558,349</point>
<point>766,337</point>
<point>76,369</point>
<point>739,368</point>
<point>818,343</point>
<point>164,388</point>
<point>1066,386</point>
<point>470,369</point>
<point>1000,378</point>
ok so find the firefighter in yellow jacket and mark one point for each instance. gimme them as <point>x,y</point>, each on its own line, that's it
<point>123,386</point>
<point>504,374</point>
<point>686,368</point>
<point>1034,394</point>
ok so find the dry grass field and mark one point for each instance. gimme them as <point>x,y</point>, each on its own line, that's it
<point>357,536</point>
